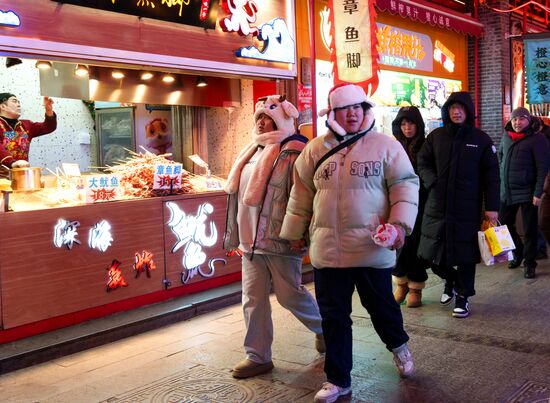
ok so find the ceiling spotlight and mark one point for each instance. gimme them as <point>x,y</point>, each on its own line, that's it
<point>117,74</point>
<point>43,65</point>
<point>81,70</point>
<point>201,82</point>
<point>146,75</point>
<point>168,78</point>
<point>12,61</point>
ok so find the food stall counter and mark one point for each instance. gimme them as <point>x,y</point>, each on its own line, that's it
<point>60,261</point>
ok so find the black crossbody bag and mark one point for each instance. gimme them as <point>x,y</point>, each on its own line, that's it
<point>340,146</point>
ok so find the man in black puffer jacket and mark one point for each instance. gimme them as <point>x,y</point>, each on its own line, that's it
<point>524,157</point>
<point>459,167</point>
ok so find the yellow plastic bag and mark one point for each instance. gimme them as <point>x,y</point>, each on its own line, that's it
<point>499,239</point>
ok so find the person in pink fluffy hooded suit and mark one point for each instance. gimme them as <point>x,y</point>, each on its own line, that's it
<point>259,185</point>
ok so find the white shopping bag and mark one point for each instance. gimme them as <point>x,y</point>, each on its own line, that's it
<point>486,256</point>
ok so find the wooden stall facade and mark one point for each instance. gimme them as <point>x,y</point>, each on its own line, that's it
<point>50,266</point>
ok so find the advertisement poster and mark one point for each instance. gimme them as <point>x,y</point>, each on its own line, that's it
<point>154,129</point>
<point>401,89</point>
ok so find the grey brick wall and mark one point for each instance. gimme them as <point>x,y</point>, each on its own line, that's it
<point>493,66</point>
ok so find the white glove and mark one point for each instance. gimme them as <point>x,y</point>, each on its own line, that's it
<point>20,164</point>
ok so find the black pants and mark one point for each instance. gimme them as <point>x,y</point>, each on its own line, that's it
<point>529,214</point>
<point>334,288</point>
<point>462,278</point>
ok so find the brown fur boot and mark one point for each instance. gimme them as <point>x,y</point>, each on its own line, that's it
<point>414,299</point>
<point>401,290</point>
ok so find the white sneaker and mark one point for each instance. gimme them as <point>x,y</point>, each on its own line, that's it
<point>447,296</point>
<point>403,360</point>
<point>330,393</point>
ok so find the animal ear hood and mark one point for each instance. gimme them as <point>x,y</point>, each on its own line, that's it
<point>280,110</point>
<point>343,95</point>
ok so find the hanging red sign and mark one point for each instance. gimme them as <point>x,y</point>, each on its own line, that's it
<point>353,43</point>
<point>205,4</point>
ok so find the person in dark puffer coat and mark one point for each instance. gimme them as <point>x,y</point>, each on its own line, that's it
<point>542,240</point>
<point>409,273</point>
<point>544,210</point>
<point>524,157</point>
<point>459,167</point>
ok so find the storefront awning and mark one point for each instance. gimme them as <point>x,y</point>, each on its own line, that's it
<point>432,14</point>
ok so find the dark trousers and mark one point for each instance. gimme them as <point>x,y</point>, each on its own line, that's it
<point>541,243</point>
<point>529,213</point>
<point>462,279</point>
<point>334,288</point>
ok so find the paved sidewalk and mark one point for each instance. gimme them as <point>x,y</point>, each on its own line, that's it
<point>501,353</point>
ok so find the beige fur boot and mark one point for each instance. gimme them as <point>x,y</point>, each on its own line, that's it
<point>401,290</point>
<point>414,299</point>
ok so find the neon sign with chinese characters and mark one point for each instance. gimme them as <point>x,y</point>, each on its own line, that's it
<point>191,233</point>
<point>401,48</point>
<point>143,262</point>
<point>116,279</point>
<point>100,237</point>
<point>444,56</point>
<point>197,13</point>
<point>9,19</point>
<point>65,233</point>
<point>278,44</point>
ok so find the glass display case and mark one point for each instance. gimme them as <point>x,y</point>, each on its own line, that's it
<point>115,133</point>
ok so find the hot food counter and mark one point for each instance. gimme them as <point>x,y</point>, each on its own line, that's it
<point>60,266</point>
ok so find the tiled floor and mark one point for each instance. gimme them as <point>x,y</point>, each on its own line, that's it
<point>501,353</point>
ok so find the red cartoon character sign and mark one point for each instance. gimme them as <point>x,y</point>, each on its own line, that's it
<point>241,14</point>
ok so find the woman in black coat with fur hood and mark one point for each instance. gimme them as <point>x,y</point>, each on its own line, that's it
<point>409,273</point>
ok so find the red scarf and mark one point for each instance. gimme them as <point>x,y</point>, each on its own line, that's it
<point>516,136</point>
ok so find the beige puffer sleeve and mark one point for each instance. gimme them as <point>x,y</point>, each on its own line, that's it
<point>300,204</point>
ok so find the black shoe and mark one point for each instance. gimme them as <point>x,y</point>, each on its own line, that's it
<point>529,272</point>
<point>448,295</point>
<point>541,254</point>
<point>462,308</point>
<point>515,263</point>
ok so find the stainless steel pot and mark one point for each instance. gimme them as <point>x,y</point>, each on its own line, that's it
<point>25,179</point>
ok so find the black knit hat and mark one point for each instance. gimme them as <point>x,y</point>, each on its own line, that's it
<point>523,112</point>
<point>4,96</point>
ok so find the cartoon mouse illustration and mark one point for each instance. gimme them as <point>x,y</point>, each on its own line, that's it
<point>157,135</point>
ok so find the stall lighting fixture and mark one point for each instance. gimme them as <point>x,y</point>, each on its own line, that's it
<point>117,74</point>
<point>146,75</point>
<point>12,61</point>
<point>201,82</point>
<point>43,65</point>
<point>81,70</point>
<point>167,78</point>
